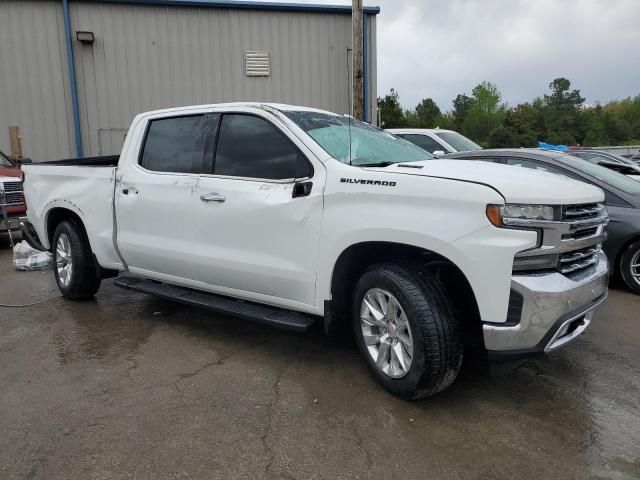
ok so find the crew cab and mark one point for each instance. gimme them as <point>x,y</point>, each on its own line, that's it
<point>12,205</point>
<point>291,216</point>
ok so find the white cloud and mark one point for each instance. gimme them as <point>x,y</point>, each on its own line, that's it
<point>439,48</point>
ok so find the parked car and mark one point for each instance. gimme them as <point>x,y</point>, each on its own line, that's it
<point>622,198</point>
<point>610,160</point>
<point>296,215</point>
<point>12,205</point>
<point>436,141</point>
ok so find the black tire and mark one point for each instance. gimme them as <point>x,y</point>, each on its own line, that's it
<point>84,279</point>
<point>630,257</point>
<point>437,343</point>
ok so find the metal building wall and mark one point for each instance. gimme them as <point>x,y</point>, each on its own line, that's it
<point>147,57</point>
<point>34,82</point>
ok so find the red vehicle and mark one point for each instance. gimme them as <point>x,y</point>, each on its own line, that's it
<point>12,205</point>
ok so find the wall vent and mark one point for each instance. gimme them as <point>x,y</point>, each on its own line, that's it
<point>257,63</point>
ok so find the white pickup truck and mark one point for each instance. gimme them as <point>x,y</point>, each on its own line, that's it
<point>289,215</point>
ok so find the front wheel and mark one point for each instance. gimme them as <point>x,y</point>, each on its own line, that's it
<point>406,330</point>
<point>76,272</point>
<point>630,267</point>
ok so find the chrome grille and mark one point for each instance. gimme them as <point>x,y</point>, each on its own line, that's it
<point>582,212</point>
<point>571,262</point>
<point>574,239</point>
<point>11,194</point>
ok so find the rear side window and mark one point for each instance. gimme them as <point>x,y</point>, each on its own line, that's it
<point>176,144</point>
<point>424,142</point>
<point>251,147</point>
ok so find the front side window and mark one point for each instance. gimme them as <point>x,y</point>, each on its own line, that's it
<point>354,142</point>
<point>459,142</point>
<point>424,142</point>
<point>176,144</point>
<point>251,147</point>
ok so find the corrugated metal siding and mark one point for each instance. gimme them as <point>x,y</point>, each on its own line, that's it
<point>34,83</point>
<point>146,58</point>
<point>150,57</point>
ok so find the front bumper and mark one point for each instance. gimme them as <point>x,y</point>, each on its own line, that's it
<point>555,309</point>
<point>10,222</point>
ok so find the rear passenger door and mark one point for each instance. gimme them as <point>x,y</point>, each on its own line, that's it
<point>156,195</point>
<point>258,213</point>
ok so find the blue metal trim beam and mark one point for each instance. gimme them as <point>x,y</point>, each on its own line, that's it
<point>249,5</point>
<point>365,70</point>
<point>71,64</point>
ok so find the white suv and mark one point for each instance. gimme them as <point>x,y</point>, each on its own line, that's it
<point>436,141</point>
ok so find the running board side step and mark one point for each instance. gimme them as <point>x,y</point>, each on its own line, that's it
<point>276,317</point>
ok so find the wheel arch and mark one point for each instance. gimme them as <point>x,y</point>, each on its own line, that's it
<point>55,216</point>
<point>356,258</point>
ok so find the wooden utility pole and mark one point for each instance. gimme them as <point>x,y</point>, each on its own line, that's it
<point>358,63</point>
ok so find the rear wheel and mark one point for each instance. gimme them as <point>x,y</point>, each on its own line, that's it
<point>630,267</point>
<point>406,331</point>
<point>75,269</point>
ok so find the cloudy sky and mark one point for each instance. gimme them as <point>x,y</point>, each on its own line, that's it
<point>439,48</point>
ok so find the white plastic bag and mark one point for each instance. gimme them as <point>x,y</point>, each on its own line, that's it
<point>26,257</point>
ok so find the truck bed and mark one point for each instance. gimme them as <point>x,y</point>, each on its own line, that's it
<point>104,161</point>
<point>84,187</point>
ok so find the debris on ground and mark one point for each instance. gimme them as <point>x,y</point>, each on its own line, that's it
<point>27,258</point>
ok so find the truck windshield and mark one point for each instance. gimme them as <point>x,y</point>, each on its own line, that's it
<point>4,161</point>
<point>354,142</point>
<point>618,180</point>
<point>459,142</point>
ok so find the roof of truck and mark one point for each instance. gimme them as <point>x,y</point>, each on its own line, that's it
<point>262,105</point>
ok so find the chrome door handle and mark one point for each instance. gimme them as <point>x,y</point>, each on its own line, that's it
<point>212,197</point>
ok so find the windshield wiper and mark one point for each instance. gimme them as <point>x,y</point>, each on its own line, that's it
<point>379,164</point>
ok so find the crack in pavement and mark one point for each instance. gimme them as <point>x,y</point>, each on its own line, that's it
<point>266,444</point>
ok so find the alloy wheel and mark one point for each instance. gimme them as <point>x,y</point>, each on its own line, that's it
<point>64,263</point>
<point>386,332</point>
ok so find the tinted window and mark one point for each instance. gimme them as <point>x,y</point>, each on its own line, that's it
<point>521,162</point>
<point>4,161</point>
<point>459,142</point>
<point>251,147</point>
<point>424,142</point>
<point>588,156</point>
<point>618,180</point>
<point>176,144</point>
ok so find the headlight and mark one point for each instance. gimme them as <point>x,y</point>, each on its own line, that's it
<point>516,214</point>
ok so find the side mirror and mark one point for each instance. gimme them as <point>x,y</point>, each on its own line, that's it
<point>21,161</point>
<point>438,153</point>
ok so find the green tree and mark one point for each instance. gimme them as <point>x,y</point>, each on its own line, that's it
<point>485,113</point>
<point>525,123</point>
<point>562,112</point>
<point>428,113</point>
<point>501,137</point>
<point>461,106</point>
<point>391,113</point>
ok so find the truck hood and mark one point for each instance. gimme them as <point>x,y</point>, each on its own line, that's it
<point>10,172</point>
<point>515,184</point>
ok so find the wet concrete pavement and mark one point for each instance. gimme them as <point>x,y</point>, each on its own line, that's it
<point>129,386</point>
